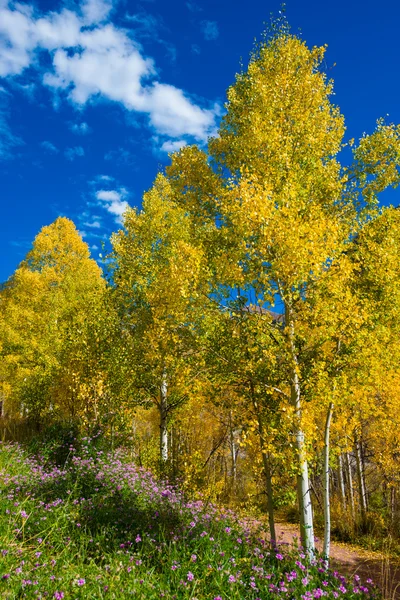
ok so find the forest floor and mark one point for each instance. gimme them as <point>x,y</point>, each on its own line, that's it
<point>353,560</point>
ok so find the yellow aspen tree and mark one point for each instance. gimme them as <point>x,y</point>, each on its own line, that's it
<point>273,197</point>
<point>157,279</point>
<point>48,293</point>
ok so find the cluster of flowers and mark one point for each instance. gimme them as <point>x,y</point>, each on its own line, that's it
<point>102,527</point>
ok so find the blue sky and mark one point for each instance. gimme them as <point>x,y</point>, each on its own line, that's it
<point>95,93</point>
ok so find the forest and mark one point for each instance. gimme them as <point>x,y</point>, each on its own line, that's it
<point>240,342</point>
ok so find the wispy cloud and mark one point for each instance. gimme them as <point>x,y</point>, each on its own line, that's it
<point>82,56</point>
<point>74,152</point>
<point>210,30</point>
<point>49,147</point>
<point>195,49</point>
<point>150,27</point>
<point>80,128</point>
<point>120,156</point>
<point>105,178</point>
<point>193,7</point>
<point>8,140</point>
<point>94,224</point>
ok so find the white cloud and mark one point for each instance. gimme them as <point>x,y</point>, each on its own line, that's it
<point>95,224</point>
<point>195,49</point>
<point>210,30</point>
<point>108,195</point>
<point>173,145</point>
<point>93,59</point>
<point>96,11</point>
<point>49,147</point>
<point>74,152</point>
<point>114,202</point>
<point>80,128</point>
<point>173,114</point>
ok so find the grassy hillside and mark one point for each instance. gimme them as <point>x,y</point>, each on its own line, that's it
<point>100,527</point>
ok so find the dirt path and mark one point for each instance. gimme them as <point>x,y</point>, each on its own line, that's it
<point>351,560</point>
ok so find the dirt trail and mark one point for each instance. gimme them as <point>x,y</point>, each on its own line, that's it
<point>350,560</point>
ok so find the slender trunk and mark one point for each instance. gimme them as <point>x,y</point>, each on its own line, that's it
<point>234,451</point>
<point>270,498</point>
<point>360,478</point>
<point>327,507</point>
<point>163,420</point>
<point>350,485</point>
<point>341,482</point>
<point>267,469</point>
<point>392,503</point>
<point>303,485</point>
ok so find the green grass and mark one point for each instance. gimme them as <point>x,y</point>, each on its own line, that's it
<point>99,527</point>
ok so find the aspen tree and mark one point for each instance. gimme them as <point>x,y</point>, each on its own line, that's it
<point>158,279</point>
<point>275,204</point>
<point>42,302</point>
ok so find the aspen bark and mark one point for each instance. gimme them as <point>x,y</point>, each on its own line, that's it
<point>341,482</point>
<point>163,420</point>
<point>303,484</point>
<point>360,477</point>
<point>270,498</point>
<point>327,508</point>
<point>234,451</point>
<point>350,485</point>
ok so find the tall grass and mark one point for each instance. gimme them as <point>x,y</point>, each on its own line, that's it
<point>98,526</point>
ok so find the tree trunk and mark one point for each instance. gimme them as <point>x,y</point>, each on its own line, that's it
<point>267,469</point>
<point>234,452</point>
<point>270,497</point>
<point>392,503</point>
<point>303,484</point>
<point>163,420</point>
<point>341,482</point>
<point>360,477</point>
<point>350,485</point>
<point>327,508</point>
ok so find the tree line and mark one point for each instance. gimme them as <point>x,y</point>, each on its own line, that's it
<point>245,339</point>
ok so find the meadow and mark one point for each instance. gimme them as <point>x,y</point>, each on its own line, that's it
<point>97,526</point>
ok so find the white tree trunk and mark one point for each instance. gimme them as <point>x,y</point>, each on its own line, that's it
<point>350,484</point>
<point>234,451</point>
<point>361,481</point>
<point>341,482</point>
<point>303,483</point>
<point>327,507</point>
<point>163,420</point>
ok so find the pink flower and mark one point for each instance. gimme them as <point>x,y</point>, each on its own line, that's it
<point>81,582</point>
<point>190,576</point>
